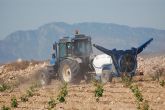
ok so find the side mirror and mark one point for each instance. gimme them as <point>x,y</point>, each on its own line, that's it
<point>54,46</point>
<point>53,55</point>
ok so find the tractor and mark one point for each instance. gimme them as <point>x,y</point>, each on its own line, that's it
<point>71,59</point>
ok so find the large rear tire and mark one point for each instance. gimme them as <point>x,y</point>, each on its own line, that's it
<point>69,71</point>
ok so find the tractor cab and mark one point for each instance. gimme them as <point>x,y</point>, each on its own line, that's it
<point>78,49</point>
<point>80,46</point>
<point>64,48</point>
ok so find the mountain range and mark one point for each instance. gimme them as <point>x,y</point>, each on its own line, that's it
<point>36,44</point>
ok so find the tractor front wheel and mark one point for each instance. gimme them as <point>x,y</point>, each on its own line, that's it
<point>69,71</point>
<point>44,77</point>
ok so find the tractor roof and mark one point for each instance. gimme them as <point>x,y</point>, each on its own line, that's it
<point>65,39</point>
<point>77,37</point>
<point>81,37</point>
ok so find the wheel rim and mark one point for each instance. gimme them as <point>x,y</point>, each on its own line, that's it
<point>66,72</point>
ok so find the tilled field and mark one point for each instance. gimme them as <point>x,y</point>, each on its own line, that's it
<point>81,97</point>
<point>116,95</point>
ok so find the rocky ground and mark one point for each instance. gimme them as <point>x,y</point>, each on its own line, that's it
<point>22,75</point>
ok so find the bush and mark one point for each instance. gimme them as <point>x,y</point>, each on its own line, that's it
<point>127,80</point>
<point>29,93</point>
<point>34,86</point>
<point>4,87</point>
<point>162,83</point>
<point>99,90</point>
<point>63,93</point>
<point>136,93</point>
<point>5,108</point>
<point>14,102</point>
<point>60,98</point>
<point>52,103</point>
<point>141,103</point>
<point>145,105</point>
<point>95,82</point>
<point>24,98</point>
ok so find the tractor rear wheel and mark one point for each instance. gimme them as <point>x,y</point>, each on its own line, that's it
<point>69,71</point>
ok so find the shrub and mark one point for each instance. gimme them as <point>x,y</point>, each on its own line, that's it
<point>99,90</point>
<point>5,108</point>
<point>162,83</point>
<point>63,93</point>
<point>145,105</point>
<point>141,103</point>
<point>127,80</point>
<point>24,98</point>
<point>4,87</point>
<point>136,93</point>
<point>34,86</point>
<point>29,93</point>
<point>95,82</point>
<point>60,98</point>
<point>52,103</point>
<point>14,102</point>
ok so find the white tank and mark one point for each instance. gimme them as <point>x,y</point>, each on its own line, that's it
<point>99,61</point>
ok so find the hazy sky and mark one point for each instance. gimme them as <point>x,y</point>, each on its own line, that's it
<point>30,14</point>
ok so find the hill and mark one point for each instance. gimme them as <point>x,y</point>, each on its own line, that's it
<point>36,44</point>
